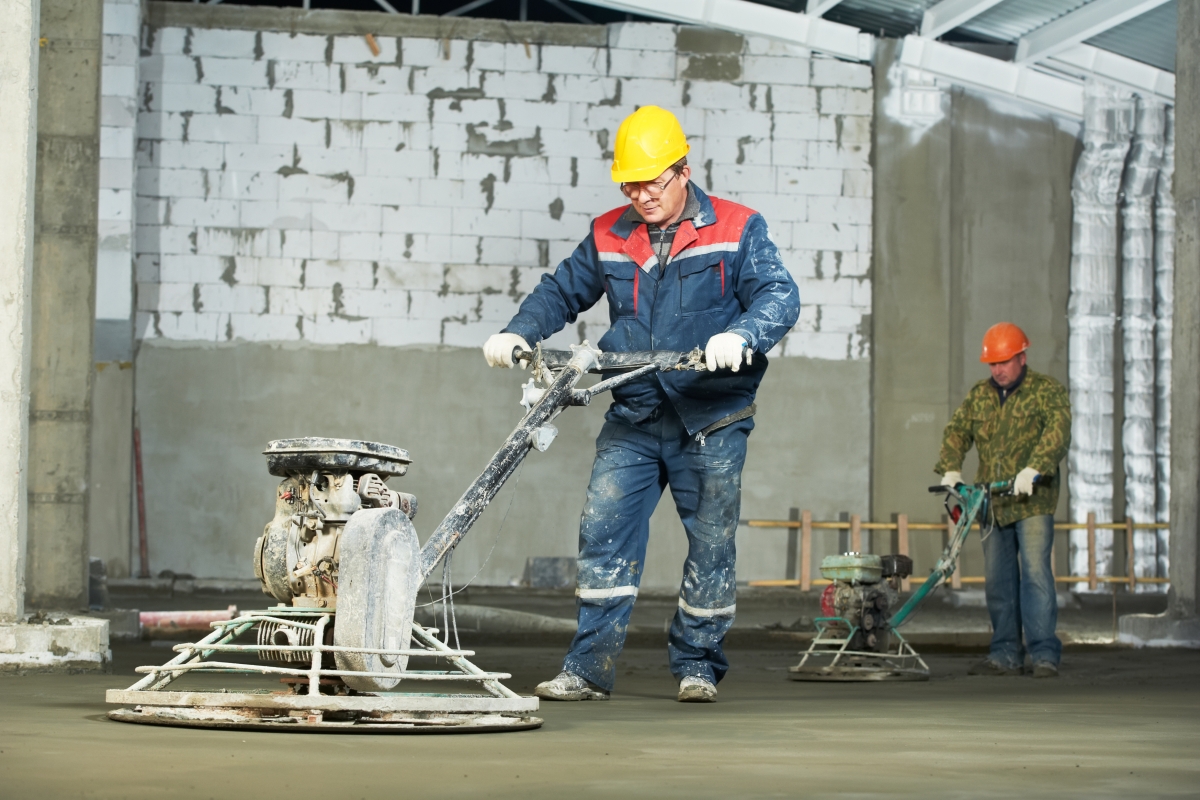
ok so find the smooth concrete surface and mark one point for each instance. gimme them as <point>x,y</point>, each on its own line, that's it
<point>112,529</point>
<point>18,151</point>
<point>972,227</point>
<point>55,642</point>
<point>207,413</point>
<point>68,164</point>
<point>1118,723</point>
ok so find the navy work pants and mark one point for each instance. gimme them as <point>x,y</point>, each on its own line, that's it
<point>634,463</point>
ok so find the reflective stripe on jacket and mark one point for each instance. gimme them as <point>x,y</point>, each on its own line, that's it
<point>724,274</point>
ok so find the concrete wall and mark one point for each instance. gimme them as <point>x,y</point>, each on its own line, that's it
<point>63,293</point>
<point>325,236</point>
<point>110,501</point>
<point>208,411</point>
<point>972,227</point>
<point>18,152</point>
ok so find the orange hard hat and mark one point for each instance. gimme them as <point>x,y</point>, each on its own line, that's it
<point>1003,341</point>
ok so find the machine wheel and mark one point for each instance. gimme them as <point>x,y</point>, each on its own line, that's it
<point>377,590</point>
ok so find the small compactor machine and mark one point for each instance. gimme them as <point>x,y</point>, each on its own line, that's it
<point>858,636</point>
<point>342,558</point>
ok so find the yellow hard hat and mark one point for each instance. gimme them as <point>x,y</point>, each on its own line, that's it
<point>648,142</point>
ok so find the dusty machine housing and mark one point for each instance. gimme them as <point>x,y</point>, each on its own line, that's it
<point>323,485</point>
<point>298,557</point>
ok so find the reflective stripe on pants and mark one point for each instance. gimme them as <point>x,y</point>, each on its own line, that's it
<point>634,464</point>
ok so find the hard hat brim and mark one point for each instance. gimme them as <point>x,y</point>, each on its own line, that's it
<point>986,359</point>
<point>650,171</point>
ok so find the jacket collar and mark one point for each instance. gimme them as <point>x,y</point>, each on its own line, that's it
<point>1006,392</point>
<point>704,214</point>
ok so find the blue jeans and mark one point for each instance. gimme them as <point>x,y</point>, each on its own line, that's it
<point>1020,592</point>
<point>634,463</point>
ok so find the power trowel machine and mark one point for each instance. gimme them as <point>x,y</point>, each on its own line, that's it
<point>342,558</point>
<point>858,638</point>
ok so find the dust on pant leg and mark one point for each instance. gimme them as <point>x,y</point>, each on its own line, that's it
<point>708,594</point>
<point>615,524</point>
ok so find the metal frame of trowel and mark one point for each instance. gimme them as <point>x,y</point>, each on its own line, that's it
<point>500,709</point>
<point>831,660</point>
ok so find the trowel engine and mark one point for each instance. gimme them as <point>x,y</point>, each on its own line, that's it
<point>297,559</point>
<point>864,588</point>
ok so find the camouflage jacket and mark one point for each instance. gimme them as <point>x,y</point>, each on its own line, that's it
<point>1031,429</point>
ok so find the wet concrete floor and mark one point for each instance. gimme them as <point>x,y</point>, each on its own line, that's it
<point>1118,723</point>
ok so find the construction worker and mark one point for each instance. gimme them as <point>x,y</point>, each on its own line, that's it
<point>1020,421</point>
<point>680,270</point>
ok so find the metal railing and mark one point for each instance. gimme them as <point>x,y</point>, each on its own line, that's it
<point>800,547</point>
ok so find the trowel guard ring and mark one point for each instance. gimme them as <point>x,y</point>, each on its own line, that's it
<point>316,453</point>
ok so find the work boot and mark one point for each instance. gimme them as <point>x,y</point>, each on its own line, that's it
<point>989,667</point>
<point>696,690</point>
<point>1045,669</point>
<point>569,686</point>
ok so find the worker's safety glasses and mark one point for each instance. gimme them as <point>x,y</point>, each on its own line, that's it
<point>652,188</point>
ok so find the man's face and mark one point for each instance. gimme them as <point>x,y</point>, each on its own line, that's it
<point>1006,372</point>
<point>660,201</point>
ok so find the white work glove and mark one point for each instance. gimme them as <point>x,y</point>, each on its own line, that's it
<point>498,349</point>
<point>726,350</point>
<point>952,479</point>
<point>1023,483</point>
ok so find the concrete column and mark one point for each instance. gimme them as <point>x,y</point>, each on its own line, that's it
<point>68,149</point>
<point>1185,342</point>
<point>1181,624</point>
<point>18,98</point>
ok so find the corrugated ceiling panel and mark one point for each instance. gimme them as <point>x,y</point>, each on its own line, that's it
<point>1012,19</point>
<point>894,17</point>
<point>1149,38</point>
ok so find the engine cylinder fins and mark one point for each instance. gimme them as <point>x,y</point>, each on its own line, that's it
<point>377,590</point>
<point>320,454</point>
<point>896,565</point>
<point>280,634</point>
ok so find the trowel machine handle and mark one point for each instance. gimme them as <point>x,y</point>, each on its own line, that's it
<point>966,504</point>
<point>560,372</point>
<point>664,360</point>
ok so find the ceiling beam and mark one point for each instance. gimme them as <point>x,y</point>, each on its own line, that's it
<point>982,72</point>
<point>950,14</point>
<point>1086,61</point>
<point>1081,24</point>
<point>819,8</point>
<point>752,19</point>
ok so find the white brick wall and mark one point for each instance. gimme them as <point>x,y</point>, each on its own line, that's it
<point>118,132</point>
<point>294,187</point>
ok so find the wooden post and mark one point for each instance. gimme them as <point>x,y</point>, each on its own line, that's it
<point>855,533</point>
<point>902,545</point>
<point>1091,545</point>
<point>793,536</point>
<point>1129,568</point>
<point>806,551</point>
